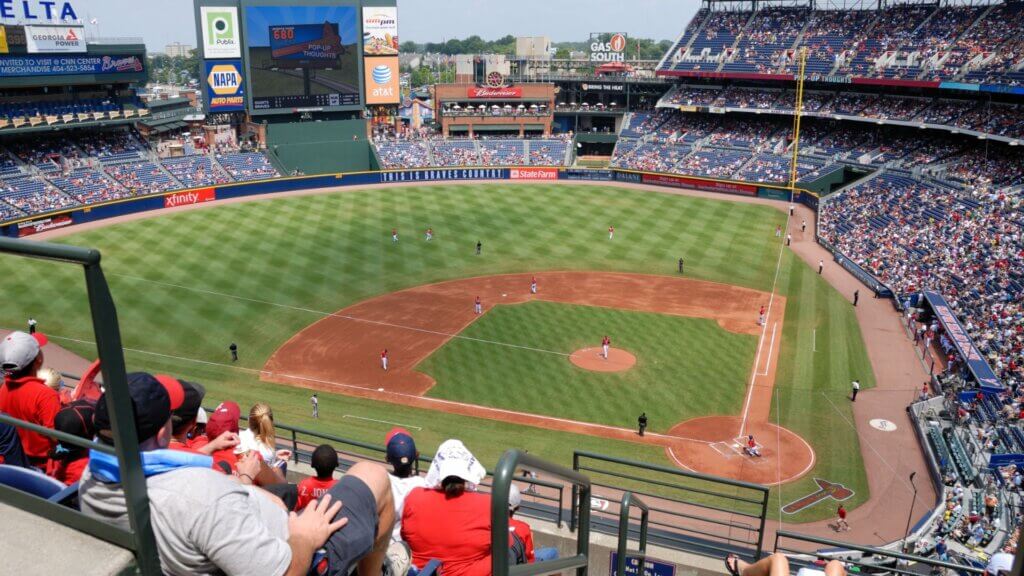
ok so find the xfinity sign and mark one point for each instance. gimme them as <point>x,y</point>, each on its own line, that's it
<point>614,50</point>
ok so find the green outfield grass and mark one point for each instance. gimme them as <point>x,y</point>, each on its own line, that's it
<point>672,380</point>
<point>188,284</point>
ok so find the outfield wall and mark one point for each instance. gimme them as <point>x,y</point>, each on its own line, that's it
<point>29,226</point>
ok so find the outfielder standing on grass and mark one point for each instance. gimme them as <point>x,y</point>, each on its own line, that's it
<point>316,405</point>
<point>479,247</point>
<point>384,359</point>
<point>605,345</point>
<point>680,265</point>
<point>430,234</point>
<point>394,235</point>
<point>233,348</point>
<point>611,232</point>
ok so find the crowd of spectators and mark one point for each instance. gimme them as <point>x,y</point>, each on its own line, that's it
<point>141,177</point>
<point>403,153</point>
<point>972,43</point>
<point>965,243</point>
<point>219,498</point>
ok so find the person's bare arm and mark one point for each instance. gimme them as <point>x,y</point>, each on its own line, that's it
<point>222,442</point>
<point>308,531</point>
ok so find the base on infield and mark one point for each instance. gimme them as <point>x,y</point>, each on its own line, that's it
<point>785,456</point>
<point>593,359</point>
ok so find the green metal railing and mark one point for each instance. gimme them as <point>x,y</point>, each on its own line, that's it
<point>705,516</point>
<point>377,451</point>
<point>629,500</point>
<point>504,474</point>
<point>140,538</point>
<point>902,563</point>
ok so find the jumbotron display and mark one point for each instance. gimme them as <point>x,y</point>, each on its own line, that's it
<point>303,56</point>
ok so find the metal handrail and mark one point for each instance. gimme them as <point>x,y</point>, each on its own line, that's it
<point>874,552</point>
<point>108,343</point>
<point>628,501</point>
<point>761,502</point>
<point>504,474</point>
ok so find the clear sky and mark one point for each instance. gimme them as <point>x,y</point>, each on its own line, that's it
<point>163,21</point>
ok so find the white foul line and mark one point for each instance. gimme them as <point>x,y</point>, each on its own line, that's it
<point>380,421</point>
<point>771,346</point>
<point>764,330</point>
<point>814,340</point>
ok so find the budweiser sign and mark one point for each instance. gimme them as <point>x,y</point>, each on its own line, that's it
<point>191,197</point>
<point>486,92</point>
<point>37,226</point>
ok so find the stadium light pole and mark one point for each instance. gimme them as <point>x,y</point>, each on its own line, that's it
<point>910,515</point>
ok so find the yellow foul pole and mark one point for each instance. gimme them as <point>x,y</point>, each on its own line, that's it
<point>798,110</point>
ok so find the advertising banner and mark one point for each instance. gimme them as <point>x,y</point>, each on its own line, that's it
<point>225,86</point>
<point>957,334</point>
<point>26,10</point>
<point>445,174</point>
<point>533,174</point>
<point>634,568</point>
<point>307,43</point>
<point>380,76</point>
<point>221,34</point>
<point>487,92</point>
<point>586,174</point>
<point>380,31</point>
<point>42,225</point>
<point>55,39</point>
<point>59,66</point>
<point>3,40</point>
<point>710,185</point>
<point>197,196</point>
<point>614,50</point>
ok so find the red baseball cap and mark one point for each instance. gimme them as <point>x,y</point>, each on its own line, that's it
<point>223,419</point>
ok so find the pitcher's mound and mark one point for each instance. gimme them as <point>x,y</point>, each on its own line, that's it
<point>593,359</point>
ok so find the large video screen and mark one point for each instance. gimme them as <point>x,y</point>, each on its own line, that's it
<point>302,56</point>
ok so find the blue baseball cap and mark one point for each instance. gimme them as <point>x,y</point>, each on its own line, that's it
<point>401,449</point>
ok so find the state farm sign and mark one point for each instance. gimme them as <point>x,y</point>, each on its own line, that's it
<point>614,50</point>
<point>190,197</point>
<point>485,92</point>
<point>533,174</point>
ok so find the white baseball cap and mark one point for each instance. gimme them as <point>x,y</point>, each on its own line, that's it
<point>19,350</point>
<point>454,459</point>
<point>515,498</point>
<point>1000,562</point>
<point>201,416</point>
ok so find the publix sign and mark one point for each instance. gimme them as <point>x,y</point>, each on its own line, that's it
<point>614,50</point>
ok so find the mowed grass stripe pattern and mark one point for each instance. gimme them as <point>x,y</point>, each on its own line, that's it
<point>324,252</point>
<point>672,380</point>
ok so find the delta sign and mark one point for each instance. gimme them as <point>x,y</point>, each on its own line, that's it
<point>225,90</point>
<point>30,11</point>
<point>614,50</point>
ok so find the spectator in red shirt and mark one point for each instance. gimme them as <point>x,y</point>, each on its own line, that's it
<point>183,422</point>
<point>523,531</point>
<point>67,461</point>
<point>325,461</point>
<point>224,419</point>
<point>449,520</point>
<point>26,397</point>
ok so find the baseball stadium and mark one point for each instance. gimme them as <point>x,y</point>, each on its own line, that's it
<point>754,307</point>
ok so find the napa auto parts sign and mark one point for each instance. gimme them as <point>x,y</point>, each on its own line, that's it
<point>533,174</point>
<point>197,196</point>
<point>42,225</point>
<point>614,50</point>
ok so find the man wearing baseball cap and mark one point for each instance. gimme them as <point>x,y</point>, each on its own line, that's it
<point>26,397</point>
<point>203,521</point>
<point>402,455</point>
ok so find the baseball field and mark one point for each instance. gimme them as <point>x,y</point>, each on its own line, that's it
<point>312,288</point>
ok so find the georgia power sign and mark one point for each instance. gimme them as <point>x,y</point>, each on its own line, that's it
<point>614,50</point>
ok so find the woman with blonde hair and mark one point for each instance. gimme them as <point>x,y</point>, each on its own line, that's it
<point>260,437</point>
